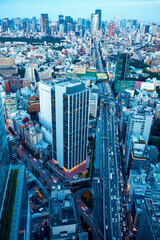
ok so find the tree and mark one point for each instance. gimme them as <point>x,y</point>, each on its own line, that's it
<point>157,124</point>
<point>154,130</point>
<point>82,220</point>
<point>45,182</point>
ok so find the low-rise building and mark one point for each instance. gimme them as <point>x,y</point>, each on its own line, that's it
<point>7,66</point>
<point>32,136</point>
<point>93,101</point>
<point>19,121</point>
<point>63,219</point>
<point>33,105</point>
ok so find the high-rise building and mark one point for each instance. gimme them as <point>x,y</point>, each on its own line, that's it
<point>5,25</point>
<point>110,30</point>
<point>25,26</point>
<point>44,23</point>
<point>12,148</point>
<point>14,203</point>
<point>60,19</point>
<point>146,29</point>
<point>93,100</point>
<point>64,110</point>
<point>45,117</point>
<point>123,100</point>
<point>68,23</point>
<point>138,125</point>
<point>99,12</point>
<point>148,228</point>
<point>70,116</point>
<point>4,160</point>
<point>94,23</point>
<point>122,81</point>
<point>122,66</point>
<point>34,23</point>
<point>15,219</point>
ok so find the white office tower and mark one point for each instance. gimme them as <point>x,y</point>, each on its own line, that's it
<point>45,116</point>
<point>93,100</point>
<point>94,23</point>
<point>64,109</point>
<point>138,38</point>
<point>30,73</point>
<point>139,124</point>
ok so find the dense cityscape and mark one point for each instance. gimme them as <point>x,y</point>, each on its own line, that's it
<point>79,128</point>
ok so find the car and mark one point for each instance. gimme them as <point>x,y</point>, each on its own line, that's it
<point>124,224</point>
<point>112,220</point>
<point>116,220</point>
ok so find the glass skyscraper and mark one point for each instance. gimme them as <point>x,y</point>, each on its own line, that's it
<point>4,159</point>
<point>99,12</point>
<point>122,81</point>
<point>44,23</point>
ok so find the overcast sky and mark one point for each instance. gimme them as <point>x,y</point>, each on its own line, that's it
<point>147,10</point>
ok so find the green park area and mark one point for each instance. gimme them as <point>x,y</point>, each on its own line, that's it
<point>9,205</point>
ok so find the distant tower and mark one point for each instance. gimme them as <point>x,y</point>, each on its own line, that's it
<point>99,12</point>
<point>122,79</point>
<point>44,23</point>
<point>60,19</point>
<point>110,32</point>
<point>25,26</point>
<point>114,24</point>
<point>94,23</point>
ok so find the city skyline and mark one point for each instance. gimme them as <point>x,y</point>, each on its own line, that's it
<point>80,120</point>
<point>142,10</point>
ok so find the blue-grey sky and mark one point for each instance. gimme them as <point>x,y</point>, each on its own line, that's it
<point>148,10</point>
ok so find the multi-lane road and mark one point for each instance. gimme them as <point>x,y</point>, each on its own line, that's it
<point>44,174</point>
<point>109,171</point>
<point>107,185</point>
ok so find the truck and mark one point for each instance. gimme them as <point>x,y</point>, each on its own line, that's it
<point>111,176</point>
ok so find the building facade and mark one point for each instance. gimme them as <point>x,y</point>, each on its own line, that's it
<point>32,136</point>
<point>94,23</point>
<point>4,160</point>
<point>99,12</point>
<point>122,81</point>
<point>149,221</point>
<point>44,23</point>
<point>70,116</point>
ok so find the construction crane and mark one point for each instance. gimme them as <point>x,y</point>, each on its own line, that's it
<point>39,194</point>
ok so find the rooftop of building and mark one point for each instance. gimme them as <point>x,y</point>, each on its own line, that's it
<point>33,130</point>
<point>41,145</point>
<point>13,205</point>
<point>153,209</point>
<point>22,117</point>
<point>62,209</point>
